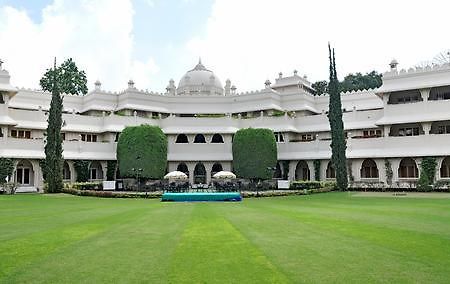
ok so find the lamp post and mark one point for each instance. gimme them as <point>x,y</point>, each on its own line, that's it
<point>137,171</point>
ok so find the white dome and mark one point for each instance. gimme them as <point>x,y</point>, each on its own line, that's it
<point>200,81</point>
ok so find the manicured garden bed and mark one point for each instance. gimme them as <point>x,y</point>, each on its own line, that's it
<point>328,238</point>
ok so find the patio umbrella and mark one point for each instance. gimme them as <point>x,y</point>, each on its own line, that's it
<point>224,174</point>
<point>176,175</point>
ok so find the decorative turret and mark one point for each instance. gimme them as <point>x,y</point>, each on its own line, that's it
<point>5,86</point>
<point>233,90</point>
<point>98,85</point>
<point>171,87</point>
<point>131,84</point>
<point>227,87</point>
<point>393,65</point>
<point>267,83</point>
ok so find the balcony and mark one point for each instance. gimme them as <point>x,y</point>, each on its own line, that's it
<point>200,152</point>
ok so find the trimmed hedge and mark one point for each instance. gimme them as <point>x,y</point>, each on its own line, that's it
<point>85,185</point>
<point>142,147</point>
<point>254,153</point>
<point>111,194</point>
<point>82,169</point>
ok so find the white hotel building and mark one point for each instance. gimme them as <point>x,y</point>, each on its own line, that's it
<point>405,119</point>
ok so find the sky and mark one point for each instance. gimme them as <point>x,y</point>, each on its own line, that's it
<point>246,41</point>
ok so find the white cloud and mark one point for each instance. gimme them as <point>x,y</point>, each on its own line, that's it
<point>251,41</point>
<point>97,34</point>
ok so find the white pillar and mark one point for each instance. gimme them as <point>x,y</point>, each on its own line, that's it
<point>425,94</point>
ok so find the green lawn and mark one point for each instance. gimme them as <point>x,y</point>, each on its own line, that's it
<point>324,238</point>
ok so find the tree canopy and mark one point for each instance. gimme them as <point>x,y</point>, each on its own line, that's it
<point>254,153</point>
<point>142,150</point>
<point>70,79</point>
<point>352,82</point>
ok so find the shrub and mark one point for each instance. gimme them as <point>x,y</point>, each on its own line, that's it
<point>111,170</point>
<point>427,174</point>
<point>298,185</point>
<point>111,194</point>
<point>6,169</point>
<point>142,147</point>
<point>85,185</point>
<point>82,169</point>
<point>317,170</point>
<point>254,153</point>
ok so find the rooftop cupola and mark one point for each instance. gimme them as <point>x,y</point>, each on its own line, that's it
<point>393,65</point>
<point>131,84</point>
<point>200,81</point>
<point>98,85</point>
<point>5,86</point>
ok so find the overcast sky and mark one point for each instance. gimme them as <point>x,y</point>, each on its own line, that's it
<point>247,41</point>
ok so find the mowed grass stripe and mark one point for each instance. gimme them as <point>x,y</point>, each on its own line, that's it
<point>138,250</point>
<point>320,249</point>
<point>211,250</point>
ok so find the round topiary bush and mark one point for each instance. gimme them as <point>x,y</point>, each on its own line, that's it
<point>142,150</point>
<point>254,153</point>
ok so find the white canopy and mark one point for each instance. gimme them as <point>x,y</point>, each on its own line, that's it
<point>176,175</point>
<point>224,174</point>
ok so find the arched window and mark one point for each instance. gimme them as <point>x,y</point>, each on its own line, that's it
<point>217,138</point>
<point>369,169</point>
<point>182,167</point>
<point>278,172</point>
<point>199,174</point>
<point>408,169</point>
<point>182,138</point>
<point>331,172</point>
<point>217,167</point>
<point>95,171</point>
<point>445,168</point>
<point>24,173</point>
<point>302,171</point>
<point>199,138</point>
<point>66,171</point>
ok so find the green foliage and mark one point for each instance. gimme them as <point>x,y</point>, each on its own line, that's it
<point>6,169</point>
<point>427,174</point>
<point>254,153</point>
<point>338,143</point>
<point>389,172</point>
<point>276,113</point>
<point>70,79</point>
<point>142,147</point>
<point>317,170</point>
<point>351,82</point>
<point>358,81</point>
<point>82,170</point>
<point>305,184</point>
<point>85,185</point>
<point>111,170</point>
<point>53,143</point>
<point>320,87</point>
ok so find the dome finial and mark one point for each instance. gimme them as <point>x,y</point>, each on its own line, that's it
<point>199,60</point>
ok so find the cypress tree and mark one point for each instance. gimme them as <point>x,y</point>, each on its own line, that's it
<point>338,144</point>
<point>53,144</point>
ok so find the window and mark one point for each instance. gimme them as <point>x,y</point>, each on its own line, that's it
<point>23,134</point>
<point>279,137</point>
<point>1,99</point>
<point>217,138</point>
<point>371,133</point>
<point>93,173</point>
<point>199,138</point>
<point>89,137</point>
<point>63,136</point>
<point>307,137</point>
<point>369,169</point>
<point>444,129</point>
<point>331,172</point>
<point>408,169</point>
<point>408,131</point>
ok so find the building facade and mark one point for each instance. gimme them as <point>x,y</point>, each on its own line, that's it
<point>389,129</point>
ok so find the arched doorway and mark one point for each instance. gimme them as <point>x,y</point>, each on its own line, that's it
<point>408,169</point>
<point>278,173</point>
<point>24,174</point>
<point>182,138</point>
<point>199,174</point>
<point>445,168</point>
<point>302,171</point>
<point>331,172</point>
<point>217,167</point>
<point>199,138</point>
<point>369,169</point>
<point>66,172</point>
<point>217,138</point>
<point>182,167</point>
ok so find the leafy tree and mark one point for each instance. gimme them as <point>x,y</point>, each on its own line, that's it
<point>358,81</point>
<point>142,147</point>
<point>111,170</point>
<point>53,142</point>
<point>6,169</point>
<point>338,144</point>
<point>321,87</point>
<point>254,153</point>
<point>70,79</point>
<point>352,82</point>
